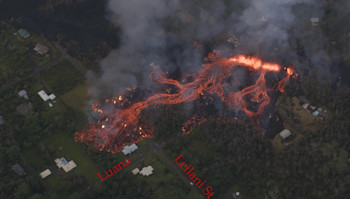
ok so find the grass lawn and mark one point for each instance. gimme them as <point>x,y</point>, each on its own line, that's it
<point>76,97</point>
<point>164,181</point>
<point>62,77</point>
<point>66,147</point>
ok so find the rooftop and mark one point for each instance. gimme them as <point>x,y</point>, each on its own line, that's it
<point>18,169</point>
<point>23,33</point>
<point>66,166</point>
<point>129,149</point>
<point>23,93</point>
<point>41,49</point>
<point>43,95</point>
<point>45,173</point>
<point>285,134</point>
<point>146,171</point>
<point>136,171</point>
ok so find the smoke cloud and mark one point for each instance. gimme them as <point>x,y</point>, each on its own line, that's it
<point>267,28</point>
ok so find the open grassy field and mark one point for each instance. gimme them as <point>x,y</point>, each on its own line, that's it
<point>66,147</point>
<point>62,77</point>
<point>163,181</point>
<point>76,97</point>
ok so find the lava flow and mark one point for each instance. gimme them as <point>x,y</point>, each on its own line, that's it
<point>123,126</point>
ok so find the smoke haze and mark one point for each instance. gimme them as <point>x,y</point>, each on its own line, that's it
<point>266,28</point>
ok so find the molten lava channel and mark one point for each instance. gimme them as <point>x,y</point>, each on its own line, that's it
<point>123,126</point>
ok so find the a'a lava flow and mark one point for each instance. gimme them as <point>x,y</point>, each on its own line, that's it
<point>122,126</point>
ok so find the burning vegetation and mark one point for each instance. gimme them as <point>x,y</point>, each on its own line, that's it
<point>121,124</point>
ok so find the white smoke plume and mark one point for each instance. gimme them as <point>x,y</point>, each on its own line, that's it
<point>263,27</point>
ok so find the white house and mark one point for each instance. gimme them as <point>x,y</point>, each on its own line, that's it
<point>135,171</point>
<point>23,93</point>
<point>146,171</point>
<point>45,173</point>
<point>52,96</point>
<point>314,21</point>
<point>129,149</point>
<point>285,134</point>
<point>66,166</point>
<point>43,95</point>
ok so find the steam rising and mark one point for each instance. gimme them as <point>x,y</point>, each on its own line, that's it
<point>267,28</point>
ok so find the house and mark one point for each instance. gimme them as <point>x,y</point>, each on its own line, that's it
<point>18,169</point>
<point>23,33</point>
<point>52,96</point>
<point>66,166</point>
<point>237,195</point>
<point>285,134</point>
<point>1,120</point>
<point>43,95</point>
<point>135,171</point>
<point>314,21</point>
<point>45,173</point>
<point>23,93</point>
<point>146,171</point>
<point>46,97</point>
<point>41,49</point>
<point>129,149</point>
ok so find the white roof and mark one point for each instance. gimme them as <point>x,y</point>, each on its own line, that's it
<point>52,96</point>
<point>285,133</point>
<point>135,171</point>
<point>146,171</point>
<point>22,93</point>
<point>69,166</point>
<point>129,149</point>
<point>66,166</point>
<point>314,19</point>
<point>43,95</point>
<point>45,173</point>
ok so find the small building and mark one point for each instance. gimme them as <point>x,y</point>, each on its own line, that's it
<point>52,96</point>
<point>146,171</point>
<point>23,33</point>
<point>1,120</point>
<point>43,95</point>
<point>135,171</point>
<point>66,166</point>
<point>41,49</point>
<point>23,93</point>
<point>18,169</point>
<point>314,21</point>
<point>285,134</point>
<point>45,173</point>
<point>237,195</point>
<point>129,149</point>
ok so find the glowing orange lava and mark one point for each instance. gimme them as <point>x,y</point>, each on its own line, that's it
<point>123,126</point>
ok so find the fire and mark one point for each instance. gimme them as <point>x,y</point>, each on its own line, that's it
<point>125,120</point>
